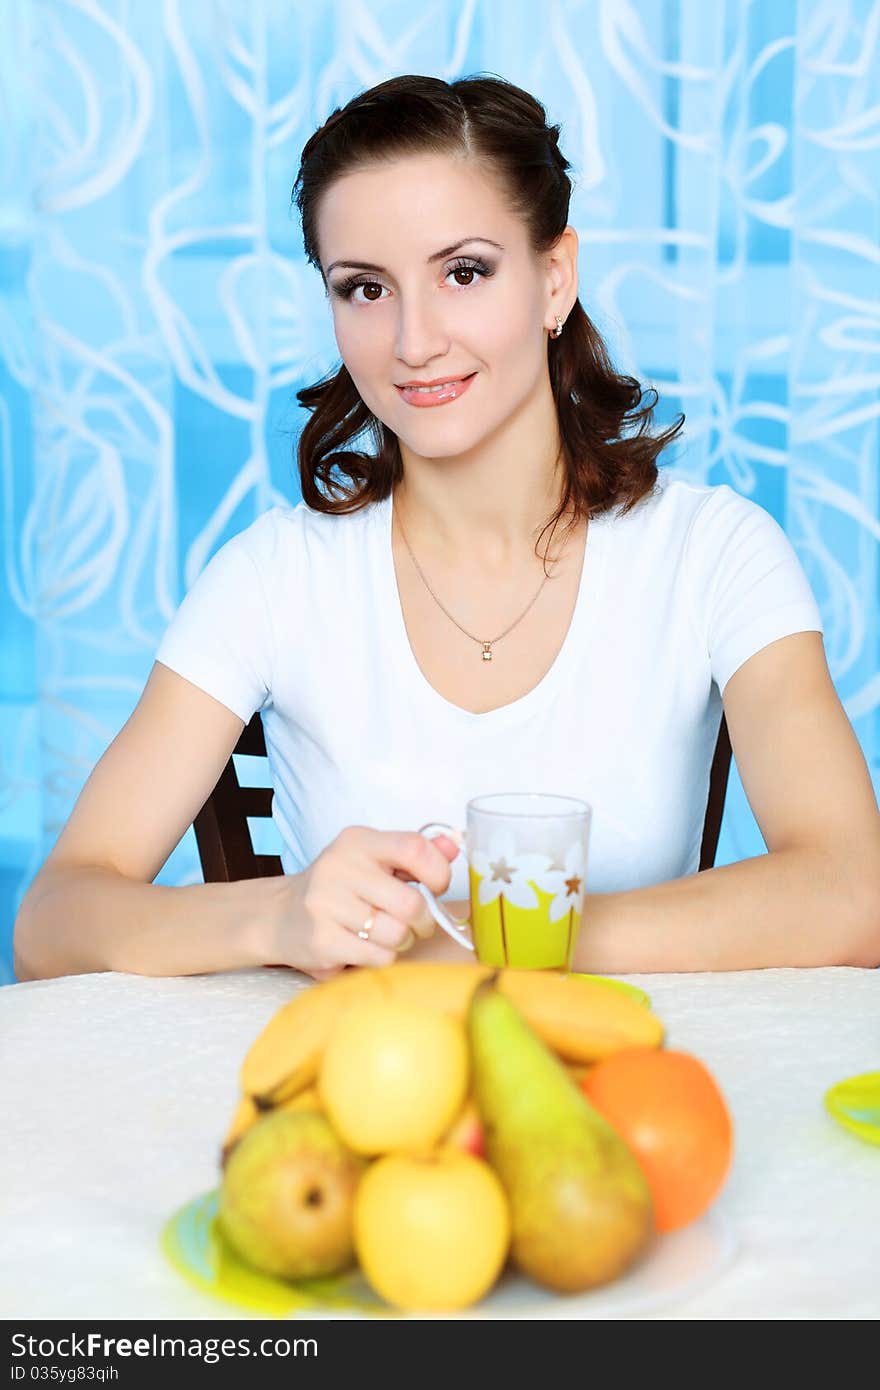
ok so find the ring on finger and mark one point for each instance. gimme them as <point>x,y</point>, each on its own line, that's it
<point>365,930</point>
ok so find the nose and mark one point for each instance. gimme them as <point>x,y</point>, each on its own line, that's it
<point>421,334</point>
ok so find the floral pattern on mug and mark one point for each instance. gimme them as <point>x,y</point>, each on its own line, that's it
<point>502,870</point>
<point>565,882</point>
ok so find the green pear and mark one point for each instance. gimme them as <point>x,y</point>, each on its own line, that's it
<point>287,1196</point>
<point>580,1204</point>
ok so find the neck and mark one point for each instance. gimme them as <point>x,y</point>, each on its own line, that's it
<point>493,505</point>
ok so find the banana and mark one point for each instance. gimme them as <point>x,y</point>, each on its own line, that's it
<point>436,984</point>
<point>581,1019</point>
<point>248,1112</point>
<point>284,1058</point>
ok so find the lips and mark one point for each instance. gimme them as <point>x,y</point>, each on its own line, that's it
<point>439,394</point>
<point>435,381</point>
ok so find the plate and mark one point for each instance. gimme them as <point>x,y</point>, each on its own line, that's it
<point>673,1267</point>
<point>855,1104</point>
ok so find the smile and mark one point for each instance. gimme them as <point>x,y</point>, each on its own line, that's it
<point>435,395</point>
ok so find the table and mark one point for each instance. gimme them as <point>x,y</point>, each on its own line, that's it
<point>117,1089</point>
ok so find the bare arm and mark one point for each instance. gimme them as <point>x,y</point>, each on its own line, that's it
<point>93,905</point>
<point>82,919</point>
<point>814,898</point>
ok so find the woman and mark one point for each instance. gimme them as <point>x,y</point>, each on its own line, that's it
<point>501,593</point>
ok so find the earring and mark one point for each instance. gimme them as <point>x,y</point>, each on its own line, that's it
<point>557,331</point>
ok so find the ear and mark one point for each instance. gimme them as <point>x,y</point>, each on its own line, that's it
<point>562,273</point>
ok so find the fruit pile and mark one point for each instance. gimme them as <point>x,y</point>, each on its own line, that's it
<point>433,1123</point>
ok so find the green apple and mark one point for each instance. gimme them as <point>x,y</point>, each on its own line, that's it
<point>287,1195</point>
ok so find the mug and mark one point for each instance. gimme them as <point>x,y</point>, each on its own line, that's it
<point>527,861</point>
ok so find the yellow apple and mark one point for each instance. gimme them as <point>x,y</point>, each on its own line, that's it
<point>393,1076</point>
<point>432,1230</point>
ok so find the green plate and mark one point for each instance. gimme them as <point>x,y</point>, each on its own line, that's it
<point>195,1246</point>
<point>855,1104</point>
<point>672,1266</point>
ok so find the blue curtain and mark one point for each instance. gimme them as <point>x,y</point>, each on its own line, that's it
<point>157,315</point>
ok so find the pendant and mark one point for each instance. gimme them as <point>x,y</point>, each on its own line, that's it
<point>487,651</point>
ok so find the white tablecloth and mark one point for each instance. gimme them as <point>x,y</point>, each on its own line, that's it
<point>116,1090</point>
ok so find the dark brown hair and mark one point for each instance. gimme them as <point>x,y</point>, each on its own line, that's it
<point>608,455</point>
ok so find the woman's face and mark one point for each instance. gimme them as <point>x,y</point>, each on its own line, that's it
<point>416,315</point>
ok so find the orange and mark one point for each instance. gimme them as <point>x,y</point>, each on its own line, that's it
<point>668,1108</point>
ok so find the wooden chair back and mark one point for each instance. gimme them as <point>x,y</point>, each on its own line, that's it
<point>223,835</point>
<point>717,792</point>
<point>224,839</point>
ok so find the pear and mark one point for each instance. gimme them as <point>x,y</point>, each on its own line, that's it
<point>287,1196</point>
<point>581,1208</point>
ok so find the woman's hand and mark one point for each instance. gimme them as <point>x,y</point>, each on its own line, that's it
<point>362,874</point>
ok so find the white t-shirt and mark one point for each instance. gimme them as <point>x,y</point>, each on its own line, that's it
<point>299,616</point>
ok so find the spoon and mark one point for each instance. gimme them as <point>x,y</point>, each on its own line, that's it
<point>855,1104</point>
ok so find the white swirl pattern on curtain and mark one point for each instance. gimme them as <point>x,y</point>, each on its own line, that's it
<point>156,313</point>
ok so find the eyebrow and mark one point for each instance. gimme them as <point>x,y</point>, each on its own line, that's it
<point>437,256</point>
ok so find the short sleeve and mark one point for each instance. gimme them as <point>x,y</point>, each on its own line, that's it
<point>747,585</point>
<point>220,638</point>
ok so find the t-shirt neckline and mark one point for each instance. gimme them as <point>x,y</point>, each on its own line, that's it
<point>586,606</point>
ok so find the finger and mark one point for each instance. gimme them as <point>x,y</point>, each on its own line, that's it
<point>360,909</point>
<point>447,845</point>
<point>398,900</point>
<point>381,928</point>
<point>350,949</point>
<point>423,924</point>
<point>419,857</point>
<point>325,974</point>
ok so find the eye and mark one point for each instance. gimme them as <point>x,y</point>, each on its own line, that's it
<point>344,289</point>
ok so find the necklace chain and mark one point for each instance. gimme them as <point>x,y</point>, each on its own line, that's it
<point>486,645</point>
